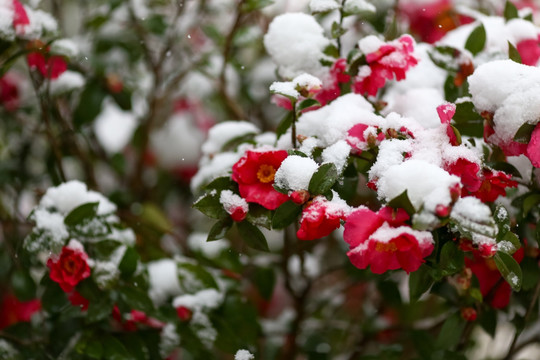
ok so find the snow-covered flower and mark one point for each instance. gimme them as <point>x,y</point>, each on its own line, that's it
<point>70,267</point>
<point>255,173</point>
<point>384,242</point>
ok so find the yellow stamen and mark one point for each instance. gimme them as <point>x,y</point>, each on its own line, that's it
<point>266,173</point>
<point>388,247</point>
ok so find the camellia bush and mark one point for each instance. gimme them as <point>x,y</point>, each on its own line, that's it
<point>248,179</point>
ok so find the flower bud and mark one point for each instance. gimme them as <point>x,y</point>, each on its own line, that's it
<point>300,197</point>
<point>468,313</point>
<point>184,314</point>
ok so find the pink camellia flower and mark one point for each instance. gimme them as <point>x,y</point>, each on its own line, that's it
<point>446,112</point>
<point>529,50</point>
<point>533,148</point>
<point>330,89</point>
<point>20,18</point>
<point>383,242</point>
<point>71,267</point>
<point>390,60</point>
<point>320,218</point>
<point>360,140</point>
<point>255,172</point>
<point>50,66</point>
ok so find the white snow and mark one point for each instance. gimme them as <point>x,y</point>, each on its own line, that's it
<point>318,6</point>
<point>67,81</point>
<point>243,355</point>
<point>295,41</point>
<point>295,173</point>
<point>286,88</point>
<point>370,44</point>
<point>67,196</point>
<point>358,6</point>
<point>224,132</point>
<point>65,47</point>
<point>114,127</point>
<point>204,299</point>
<point>232,201</point>
<point>6,20</point>
<point>425,183</point>
<point>211,249</point>
<point>211,168</point>
<point>163,280</point>
<point>178,142</point>
<point>337,154</point>
<point>511,91</point>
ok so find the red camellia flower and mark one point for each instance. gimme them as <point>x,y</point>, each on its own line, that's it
<point>494,289</point>
<point>13,311</point>
<point>184,313</point>
<point>20,17</point>
<point>468,171</point>
<point>320,218</point>
<point>391,60</point>
<point>9,93</point>
<point>129,321</point>
<point>70,267</point>
<point>255,172</point>
<point>76,299</point>
<point>50,66</point>
<point>529,50</point>
<point>533,148</point>
<point>494,184</point>
<point>382,240</point>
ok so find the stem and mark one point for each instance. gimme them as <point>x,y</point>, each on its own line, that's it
<point>340,25</point>
<point>512,348</point>
<point>233,108</point>
<point>293,125</point>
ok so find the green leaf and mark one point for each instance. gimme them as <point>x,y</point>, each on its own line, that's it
<point>156,24</point>
<point>511,238</point>
<point>220,183</point>
<point>113,349</point>
<point>530,202</point>
<point>509,269</point>
<point>467,120</point>
<point>128,265</point>
<point>54,299</point>
<point>323,179</point>
<point>419,282</point>
<point>500,215</point>
<point>187,272</point>
<point>265,280</point>
<point>307,103</point>
<point>286,214</point>
<point>443,57</point>
<point>402,201</point>
<point>81,213</point>
<point>219,229</point>
<point>23,285</point>
<point>136,299</point>
<point>477,40</point>
<point>155,218</point>
<point>89,104</point>
<point>331,50</point>
<point>488,321</point>
<point>513,54</point>
<point>210,206</point>
<point>523,135</point>
<point>452,260</point>
<point>99,309</point>
<point>251,5</point>
<point>123,99</point>
<point>510,11</point>
<point>284,124</point>
<point>252,236</point>
<point>337,30</point>
<point>260,216</point>
<point>450,333</point>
